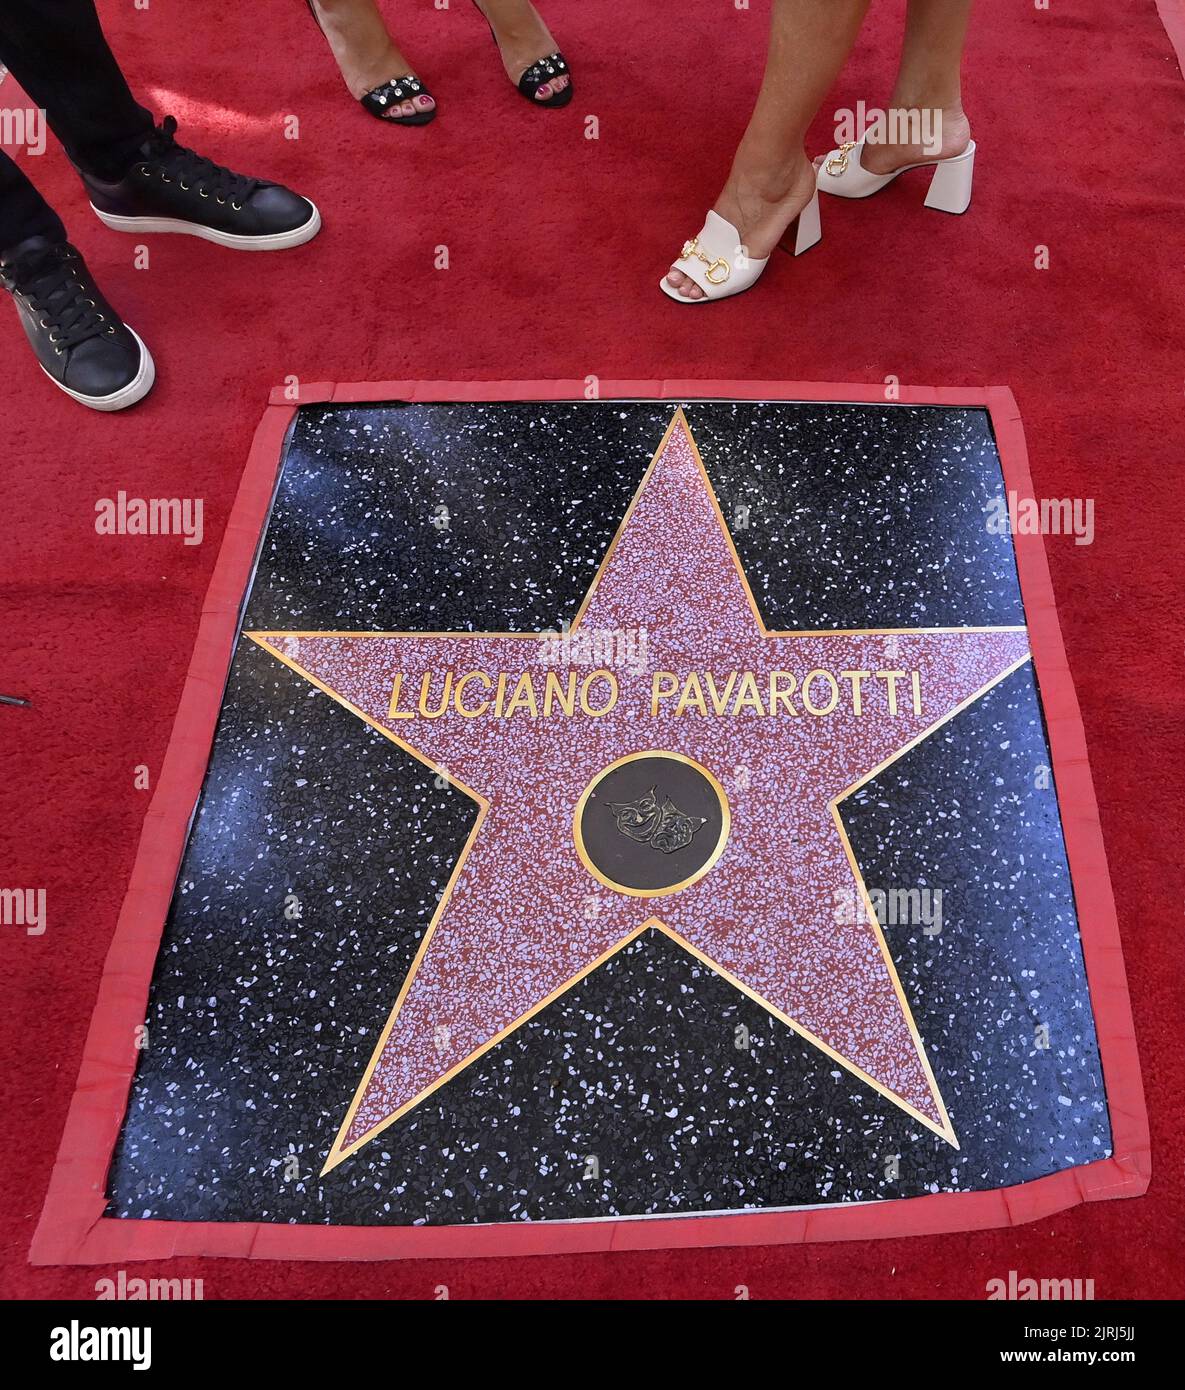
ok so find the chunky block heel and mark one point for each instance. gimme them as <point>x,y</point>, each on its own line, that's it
<point>807,228</point>
<point>950,188</point>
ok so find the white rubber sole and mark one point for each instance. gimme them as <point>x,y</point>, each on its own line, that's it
<point>134,391</point>
<point>279,241</point>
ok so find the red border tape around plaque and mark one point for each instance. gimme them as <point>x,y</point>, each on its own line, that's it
<point>73,1229</point>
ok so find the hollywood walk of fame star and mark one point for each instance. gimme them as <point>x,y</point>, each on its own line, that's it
<point>527,912</point>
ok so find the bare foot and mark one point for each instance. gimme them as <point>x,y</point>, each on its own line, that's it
<point>760,203</point>
<point>365,54</point>
<point>522,39</point>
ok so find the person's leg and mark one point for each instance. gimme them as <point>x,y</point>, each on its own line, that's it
<point>772,179</point>
<point>523,38</point>
<point>365,53</point>
<point>928,86</point>
<point>57,52</point>
<point>24,213</point>
<point>79,339</point>
<point>139,179</point>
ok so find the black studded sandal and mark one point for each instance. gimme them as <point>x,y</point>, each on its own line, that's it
<point>540,71</point>
<point>392,93</point>
<point>544,70</point>
<point>398,90</point>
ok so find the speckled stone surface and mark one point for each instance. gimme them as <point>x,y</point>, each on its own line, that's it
<point>320,850</point>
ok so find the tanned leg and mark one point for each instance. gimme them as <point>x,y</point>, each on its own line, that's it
<point>929,85</point>
<point>772,178</point>
<point>365,53</point>
<point>523,39</point>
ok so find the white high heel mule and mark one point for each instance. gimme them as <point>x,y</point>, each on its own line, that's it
<point>717,262</point>
<point>843,175</point>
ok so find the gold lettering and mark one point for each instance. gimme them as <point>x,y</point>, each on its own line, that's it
<point>662,685</point>
<point>808,703</point>
<point>586,686</point>
<point>523,697</point>
<point>857,678</point>
<point>395,712</point>
<point>459,688</point>
<point>425,686</point>
<point>891,678</point>
<point>553,690</point>
<point>739,693</point>
<point>778,696</point>
<point>720,702</point>
<point>747,696</point>
<point>687,699</point>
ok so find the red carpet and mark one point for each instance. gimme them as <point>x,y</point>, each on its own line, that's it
<point>555,246</point>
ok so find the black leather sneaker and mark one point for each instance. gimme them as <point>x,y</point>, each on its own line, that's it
<point>174,189</point>
<point>81,342</point>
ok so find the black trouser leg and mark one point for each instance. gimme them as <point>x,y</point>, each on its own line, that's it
<point>23,211</point>
<point>57,52</point>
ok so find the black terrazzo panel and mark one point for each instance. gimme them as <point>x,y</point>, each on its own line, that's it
<point>869,516</point>
<point>629,1094</point>
<point>862,516</point>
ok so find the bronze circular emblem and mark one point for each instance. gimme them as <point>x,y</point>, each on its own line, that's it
<point>651,823</point>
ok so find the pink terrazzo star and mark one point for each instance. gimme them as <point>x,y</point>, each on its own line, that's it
<point>523,918</point>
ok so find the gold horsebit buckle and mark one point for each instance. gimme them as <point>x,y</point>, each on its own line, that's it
<point>838,163</point>
<point>718,270</point>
